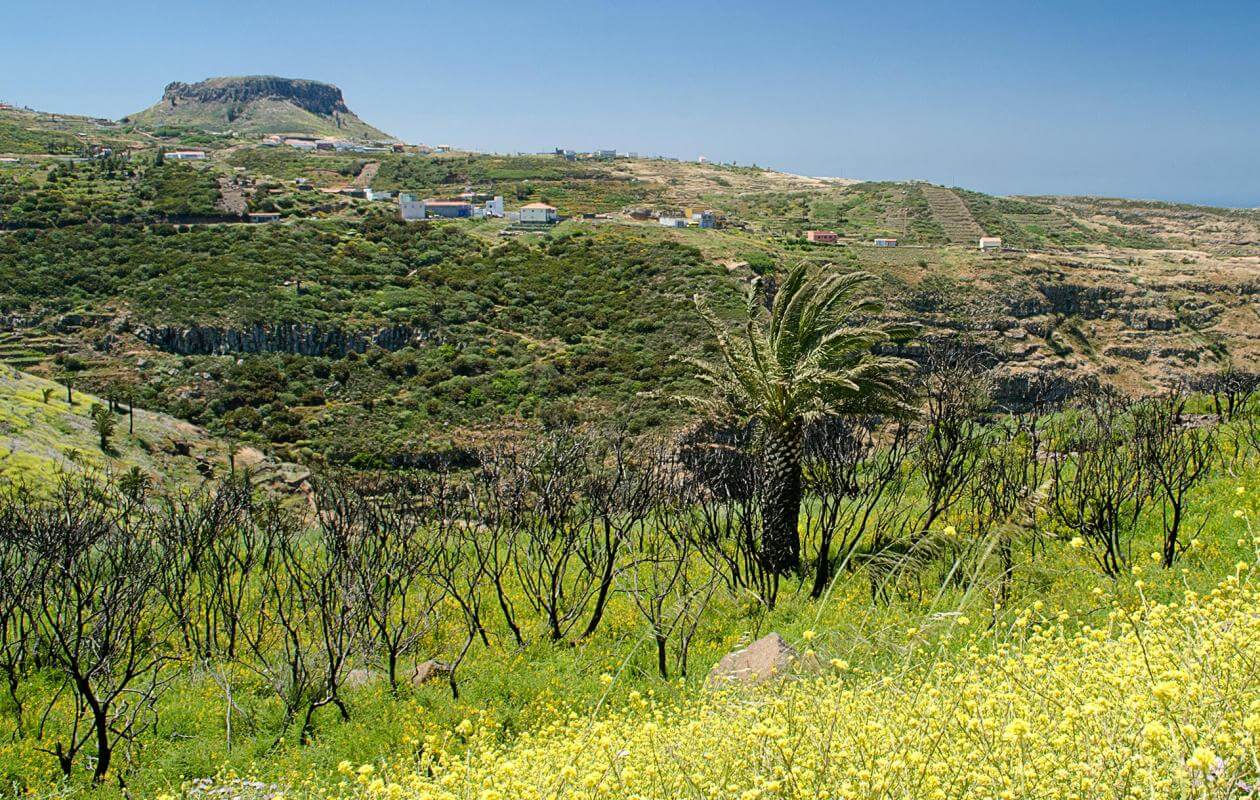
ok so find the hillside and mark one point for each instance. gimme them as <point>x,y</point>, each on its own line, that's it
<point>257,104</point>
<point>374,341</point>
<point>429,521</point>
<point>45,431</point>
<point>41,433</point>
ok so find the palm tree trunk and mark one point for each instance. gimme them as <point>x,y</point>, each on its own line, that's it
<point>781,498</point>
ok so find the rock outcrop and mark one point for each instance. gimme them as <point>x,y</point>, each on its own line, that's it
<point>765,659</point>
<point>258,104</point>
<point>295,338</point>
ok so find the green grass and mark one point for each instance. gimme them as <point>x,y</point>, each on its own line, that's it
<point>43,436</point>
<point>516,691</point>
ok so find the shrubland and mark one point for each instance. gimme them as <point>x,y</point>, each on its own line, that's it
<point>983,606</point>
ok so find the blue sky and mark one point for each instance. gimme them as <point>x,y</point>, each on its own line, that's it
<point>1140,99</point>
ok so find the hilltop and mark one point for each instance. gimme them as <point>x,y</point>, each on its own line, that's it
<point>258,104</point>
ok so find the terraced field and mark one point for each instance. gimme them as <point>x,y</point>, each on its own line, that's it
<point>952,214</point>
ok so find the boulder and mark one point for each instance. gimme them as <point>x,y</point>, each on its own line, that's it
<point>765,659</point>
<point>430,670</point>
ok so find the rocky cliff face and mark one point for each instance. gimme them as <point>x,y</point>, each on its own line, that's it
<point>323,99</point>
<point>293,338</point>
<point>259,104</point>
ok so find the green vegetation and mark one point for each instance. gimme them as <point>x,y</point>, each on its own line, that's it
<point>108,190</point>
<point>45,435</point>
<point>573,187</point>
<point>321,169</point>
<point>559,330</point>
<point>507,496</point>
<point>807,359</point>
<point>17,138</point>
<point>289,628</point>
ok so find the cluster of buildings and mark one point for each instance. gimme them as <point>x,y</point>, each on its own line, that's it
<point>308,143</point>
<point>411,207</point>
<point>598,155</point>
<point>706,218</point>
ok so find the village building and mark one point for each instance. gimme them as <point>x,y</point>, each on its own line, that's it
<point>185,155</point>
<point>264,216</point>
<point>673,222</point>
<point>493,207</point>
<point>885,242</point>
<point>705,219</point>
<point>412,208</point>
<point>822,237</point>
<point>538,214</point>
<point>990,242</point>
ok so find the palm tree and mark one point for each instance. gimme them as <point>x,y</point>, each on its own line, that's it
<point>811,355</point>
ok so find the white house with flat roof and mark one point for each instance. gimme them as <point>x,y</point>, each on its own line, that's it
<point>990,242</point>
<point>185,155</point>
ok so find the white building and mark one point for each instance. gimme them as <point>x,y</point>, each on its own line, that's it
<point>185,155</point>
<point>539,214</point>
<point>377,194</point>
<point>410,207</point>
<point>494,207</point>
<point>674,222</point>
<point>885,242</point>
<point>705,219</point>
<point>990,243</point>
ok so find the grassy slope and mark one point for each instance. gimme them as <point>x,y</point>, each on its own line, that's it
<point>258,117</point>
<point>917,694</point>
<point>39,438</point>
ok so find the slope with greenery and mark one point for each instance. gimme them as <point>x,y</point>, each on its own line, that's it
<point>257,104</point>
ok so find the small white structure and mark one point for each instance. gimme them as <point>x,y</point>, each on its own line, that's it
<point>538,214</point>
<point>705,219</point>
<point>185,155</point>
<point>494,207</point>
<point>410,207</point>
<point>884,242</point>
<point>990,242</point>
<point>377,194</point>
<point>673,222</point>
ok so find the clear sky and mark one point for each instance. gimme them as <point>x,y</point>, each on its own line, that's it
<point>1153,99</point>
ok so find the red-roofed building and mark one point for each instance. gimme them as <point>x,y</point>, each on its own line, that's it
<point>822,237</point>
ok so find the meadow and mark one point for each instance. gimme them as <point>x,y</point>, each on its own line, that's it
<point>986,606</point>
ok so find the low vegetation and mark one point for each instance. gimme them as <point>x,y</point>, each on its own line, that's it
<point>462,535</point>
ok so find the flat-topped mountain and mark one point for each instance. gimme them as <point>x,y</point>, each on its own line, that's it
<point>258,104</point>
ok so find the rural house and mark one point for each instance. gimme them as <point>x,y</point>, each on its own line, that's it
<point>990,242</point>
<point>539,214</point>
<point>822,237</point>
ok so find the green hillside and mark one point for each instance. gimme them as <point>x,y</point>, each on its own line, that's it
<point>42,433</point>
